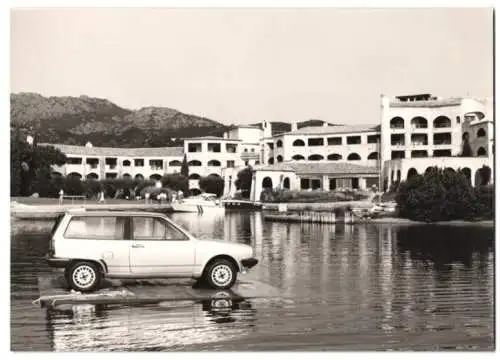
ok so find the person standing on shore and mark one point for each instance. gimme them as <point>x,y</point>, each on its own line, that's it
<point>61,196</point>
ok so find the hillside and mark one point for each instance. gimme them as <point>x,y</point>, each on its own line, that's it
<point>76,120</point>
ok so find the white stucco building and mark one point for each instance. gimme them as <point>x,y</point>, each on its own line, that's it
<point>414,132</point>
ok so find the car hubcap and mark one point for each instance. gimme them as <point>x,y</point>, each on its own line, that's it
<point>222,275</point>
<point>84,276</point>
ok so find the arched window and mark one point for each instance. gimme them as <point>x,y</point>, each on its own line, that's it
<point>286,183</point>
<point>93,176</point>
<point>75,175</point>
<point>397,123</point>
<point>194,177</point>
<point>279,143</point>
<point>214,163</point>
<point>334,157</point>
<point>194,163</point>
<point>481,133</point>
<point>279,158</point>
<point>442,122</point>
<point>175,163</point>
<point>298,157</point>
<point>419,122</point>
<point>267,182</point>
<point>126,176</point>
<point>411,173</point>
<point>315,157</point>
<point>139,177</point>
<point>354,156</point>
<point>270,161</point>
<point>126,162</point>
<point>299,142</point>
<point>481,151</point>
<point>155,177</point>
<point>373,156</point>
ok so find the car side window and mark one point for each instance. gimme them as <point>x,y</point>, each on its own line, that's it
<point>150,228</point>
<point>96,227</point>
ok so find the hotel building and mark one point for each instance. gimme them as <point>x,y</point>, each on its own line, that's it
<point>414,133</point>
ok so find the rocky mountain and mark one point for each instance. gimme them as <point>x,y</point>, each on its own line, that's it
<point>76,120</point>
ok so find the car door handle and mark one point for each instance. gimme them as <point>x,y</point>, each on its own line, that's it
<point>137,246</point>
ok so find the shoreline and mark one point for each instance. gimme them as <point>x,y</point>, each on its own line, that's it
<point>51,211</point>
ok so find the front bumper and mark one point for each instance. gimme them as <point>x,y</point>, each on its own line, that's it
<point>248,263</point>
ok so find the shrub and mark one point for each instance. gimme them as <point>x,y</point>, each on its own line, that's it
<point>92,187</point>
<point>73,186</point>
<point>442,195</point>
<point>244,181</point>
<point>176,182</point>
<point>285,196</point>
<point>484,204</point>
<point>212,184</point>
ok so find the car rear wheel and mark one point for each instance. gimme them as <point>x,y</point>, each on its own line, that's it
<point>221,274</point>
<point>84,276</point>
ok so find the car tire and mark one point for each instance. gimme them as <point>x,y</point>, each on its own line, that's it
<point>84,276</point>
<point>220,274</point>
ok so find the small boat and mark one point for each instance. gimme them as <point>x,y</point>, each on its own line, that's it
<point>200,204</point>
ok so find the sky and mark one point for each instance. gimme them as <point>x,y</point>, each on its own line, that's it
<point>240,66</point>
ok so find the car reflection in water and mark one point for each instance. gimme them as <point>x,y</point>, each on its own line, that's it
<point>150,327</point>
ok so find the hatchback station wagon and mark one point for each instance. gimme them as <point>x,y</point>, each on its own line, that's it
<point>92,245</point>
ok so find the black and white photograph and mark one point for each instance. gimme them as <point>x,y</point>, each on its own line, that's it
<point>250,179</point>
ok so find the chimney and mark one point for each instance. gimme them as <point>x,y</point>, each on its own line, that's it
<point>294,126</point>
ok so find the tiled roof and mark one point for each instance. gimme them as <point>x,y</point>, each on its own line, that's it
<point>323,130</point>
<point>109,151</point>
<point>216,138</point>
<point>320,167</point>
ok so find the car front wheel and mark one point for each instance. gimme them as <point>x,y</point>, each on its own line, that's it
<point>84,276</point>
<point>221,274</point>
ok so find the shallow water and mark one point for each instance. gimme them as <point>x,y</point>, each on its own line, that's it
<point>363,287</point>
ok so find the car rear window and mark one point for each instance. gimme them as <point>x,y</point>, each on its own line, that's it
<point>96,227</point>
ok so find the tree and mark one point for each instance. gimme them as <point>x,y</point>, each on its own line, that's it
<point>185,167</point>
<point>15,162</point>
<point>212,184</point>
<point>31,164</point>
<point>176,182</point>
<point>244,181</point>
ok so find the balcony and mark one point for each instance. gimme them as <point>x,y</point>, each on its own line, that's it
<point>442,122</point>
<point>440,140</point>
<point>419,140</point>
<point>397,140</point>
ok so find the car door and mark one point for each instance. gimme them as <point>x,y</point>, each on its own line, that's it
<point>99,238</point>
<point>159,248</point>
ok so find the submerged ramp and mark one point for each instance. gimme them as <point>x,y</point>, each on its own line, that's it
<point>54,292</point>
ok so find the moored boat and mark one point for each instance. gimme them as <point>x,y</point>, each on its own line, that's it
<point>203,203</point>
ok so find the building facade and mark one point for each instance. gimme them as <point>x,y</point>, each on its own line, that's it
<point>415,132</point>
